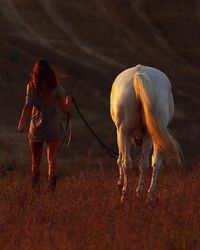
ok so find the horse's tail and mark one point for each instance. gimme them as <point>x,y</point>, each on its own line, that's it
<point>160,135</point>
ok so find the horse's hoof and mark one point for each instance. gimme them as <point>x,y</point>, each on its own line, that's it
<point>140,196</point>
<point>122,199</point>
<point>140,193</point>
<point>152,201</point>
<point>119,186</point>
<point>126,196</point>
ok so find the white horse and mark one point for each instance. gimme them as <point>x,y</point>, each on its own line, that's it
<point>142,106</point>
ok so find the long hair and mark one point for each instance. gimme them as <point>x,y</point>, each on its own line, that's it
<point>43,80</point>
<point>160,134</point>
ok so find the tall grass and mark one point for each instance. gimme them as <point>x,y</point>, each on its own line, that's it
<point>85,213</point>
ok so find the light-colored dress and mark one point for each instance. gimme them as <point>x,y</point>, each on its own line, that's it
<point>45,124</point>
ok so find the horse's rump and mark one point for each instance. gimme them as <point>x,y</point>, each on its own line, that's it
<point>145,93</point>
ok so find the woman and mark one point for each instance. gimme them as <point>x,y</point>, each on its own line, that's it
<point>42,94</point>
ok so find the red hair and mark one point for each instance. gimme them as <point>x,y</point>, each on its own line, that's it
<point>43,79</point>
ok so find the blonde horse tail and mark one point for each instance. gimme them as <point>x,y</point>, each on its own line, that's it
<point>160,135</point>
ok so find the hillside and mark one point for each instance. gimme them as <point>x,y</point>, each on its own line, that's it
<point>88,44</point>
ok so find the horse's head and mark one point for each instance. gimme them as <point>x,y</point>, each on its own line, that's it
<point>137,137</point>
<point>136,141</point>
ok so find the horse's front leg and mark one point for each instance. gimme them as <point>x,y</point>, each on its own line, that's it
<point>156,163</point>
<point>144,164</point>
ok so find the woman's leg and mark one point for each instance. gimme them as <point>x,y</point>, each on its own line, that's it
<point>52,157</point>
<point>36,151</point>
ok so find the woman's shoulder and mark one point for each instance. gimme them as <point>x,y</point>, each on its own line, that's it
<point>29,87</point>
<point>30,90</point>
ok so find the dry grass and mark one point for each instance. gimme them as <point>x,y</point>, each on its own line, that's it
<point>85,213</point>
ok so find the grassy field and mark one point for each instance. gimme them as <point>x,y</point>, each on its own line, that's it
<point>88,43</point>
<point>85,213</point>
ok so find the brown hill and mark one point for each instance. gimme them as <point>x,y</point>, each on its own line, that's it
<point>89,43</point>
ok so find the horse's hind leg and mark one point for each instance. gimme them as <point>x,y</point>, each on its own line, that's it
<point>144,163</point>
<point>156,163</point>
<point>120,181</point>
<point>124,145</point>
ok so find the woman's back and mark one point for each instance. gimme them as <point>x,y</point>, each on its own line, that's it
<point>45,123</point>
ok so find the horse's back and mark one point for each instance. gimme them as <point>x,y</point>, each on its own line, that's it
<point>125,79</point>
<point>123,99</point>
<point>158,78</point>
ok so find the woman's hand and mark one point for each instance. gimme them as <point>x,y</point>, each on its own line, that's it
<point>20,128</point>
<point>69,102</point>
<point>26,112</point>
<point>65,103</point>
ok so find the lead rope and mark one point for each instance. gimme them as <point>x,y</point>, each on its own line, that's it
<point>68,124</point>
<point>108,150</point>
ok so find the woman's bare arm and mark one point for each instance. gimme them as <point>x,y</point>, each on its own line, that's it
<point>65,103</point>
<point>26,113</point>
